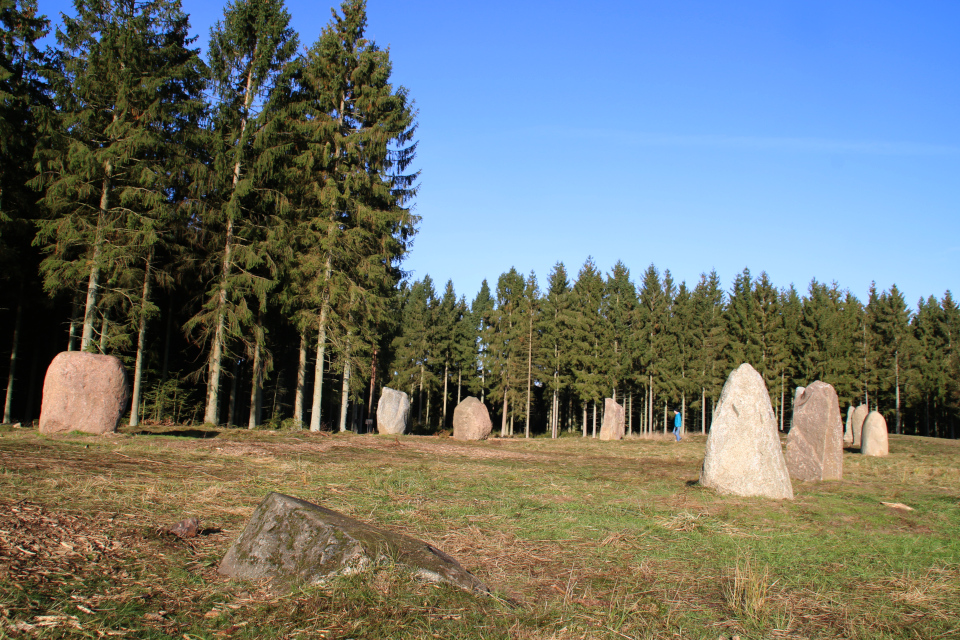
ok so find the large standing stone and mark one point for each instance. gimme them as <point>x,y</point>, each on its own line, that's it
<point>815,443</point>
<point>83,392</point>
<point>471,420</point>
<point>292,541</point>
<point>743,454</point>
<point>874,438</point>
<point>848,431</point>
<point>859,415</point>
<point>613,426</point>
<point>393,410</point>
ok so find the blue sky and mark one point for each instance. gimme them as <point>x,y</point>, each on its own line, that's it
<point>806,139</point>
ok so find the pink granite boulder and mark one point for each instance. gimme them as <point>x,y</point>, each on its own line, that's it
<point>83,392</point>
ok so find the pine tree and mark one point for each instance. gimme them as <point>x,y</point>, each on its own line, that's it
<point>445,325</point>
<point>892,324</point>
<point>481,315</point>
<point>248,51</point>
<point>507,349</point>
<point>619,312</point>
<point>530,339</point>
<point>352,142</point>
<point>23,100</point>
<point>414,352</point>
<point>556,324</point>
<point>709,337</point>
<point>585,356</point>
<point>652,316</point>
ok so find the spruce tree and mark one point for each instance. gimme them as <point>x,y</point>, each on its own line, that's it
<point>585,356</point>
<point>351,134</point>
<point>507,349</point>
<point>248,51</point>
<point>619,312</point>
<point>556,326</point>
<point>482,319</point>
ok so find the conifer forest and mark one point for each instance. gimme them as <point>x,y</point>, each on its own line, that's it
<point>234,229</point>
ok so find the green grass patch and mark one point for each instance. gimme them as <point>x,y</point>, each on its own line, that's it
<point>578,538</point>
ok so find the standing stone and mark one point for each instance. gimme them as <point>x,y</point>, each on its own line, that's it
<point>859,415</point>
<point>815,442</point>
<point>848,431</point>
<point>291,541</point>
<point>83,392</point>
<point>743,454</point>
<point>392,412</point>
<point>874,442</point>
<point>471,420</point>
<point>613,423</point>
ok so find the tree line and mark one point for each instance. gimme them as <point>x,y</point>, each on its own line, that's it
<point>234,230</point>
<point>546,359</point>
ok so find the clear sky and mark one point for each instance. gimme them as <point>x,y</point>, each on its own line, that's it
<point>808,139</point>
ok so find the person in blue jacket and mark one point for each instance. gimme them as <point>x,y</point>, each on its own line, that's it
<point>677,422</point>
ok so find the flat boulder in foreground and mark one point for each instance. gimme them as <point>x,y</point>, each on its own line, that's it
<point>291,541</point>
<point>83,392</point>
<point>743,454</point>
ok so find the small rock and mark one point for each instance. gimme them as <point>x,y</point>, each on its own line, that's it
<point>186,528</point>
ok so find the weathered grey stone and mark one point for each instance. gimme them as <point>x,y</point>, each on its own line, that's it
<point>83,392</point>
<point>291,541</point>
<point>815,442</point>
<point>471,420</point>
<point>874,437</point>
<point>848,430</point>
<point>859,415</point>
<point>393,411</point>
<point>743,454</point>
<point>613,426</point>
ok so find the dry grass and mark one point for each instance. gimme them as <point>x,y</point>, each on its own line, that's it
<point>589,539</point>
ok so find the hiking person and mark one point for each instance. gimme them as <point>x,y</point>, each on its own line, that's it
<point>677,422</point>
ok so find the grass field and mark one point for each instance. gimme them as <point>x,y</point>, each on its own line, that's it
<point>578,539</point>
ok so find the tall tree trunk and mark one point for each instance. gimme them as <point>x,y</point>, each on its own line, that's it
<point>703,410</point>
<point>94,281</point>
<point>630,413</point>
<point>8,402</point>
<point>234,382</point>
<point>896,365</point>
<point>783,392</point>
<point>503,419</point>
<point>301,382</point>
<point>584,419</point>
<point>683,413</point>
<point>420,395</point>
<point>594,418</point>
<point>665,416</point>
<point>141,342</point>
<point>371,407</point>
<point>72,336</point>
<point>526,425</point>
<point>345,392</point>
<point>256,382</point>
<point>459,384</point>
<point>318,368</point>
<point>446,374</point>
<point>104,329</point>
<point>165,367</point>
<point>428,407</point>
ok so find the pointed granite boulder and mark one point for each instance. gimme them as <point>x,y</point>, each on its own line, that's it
<point>743,455</point>
<point>815,442</point>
